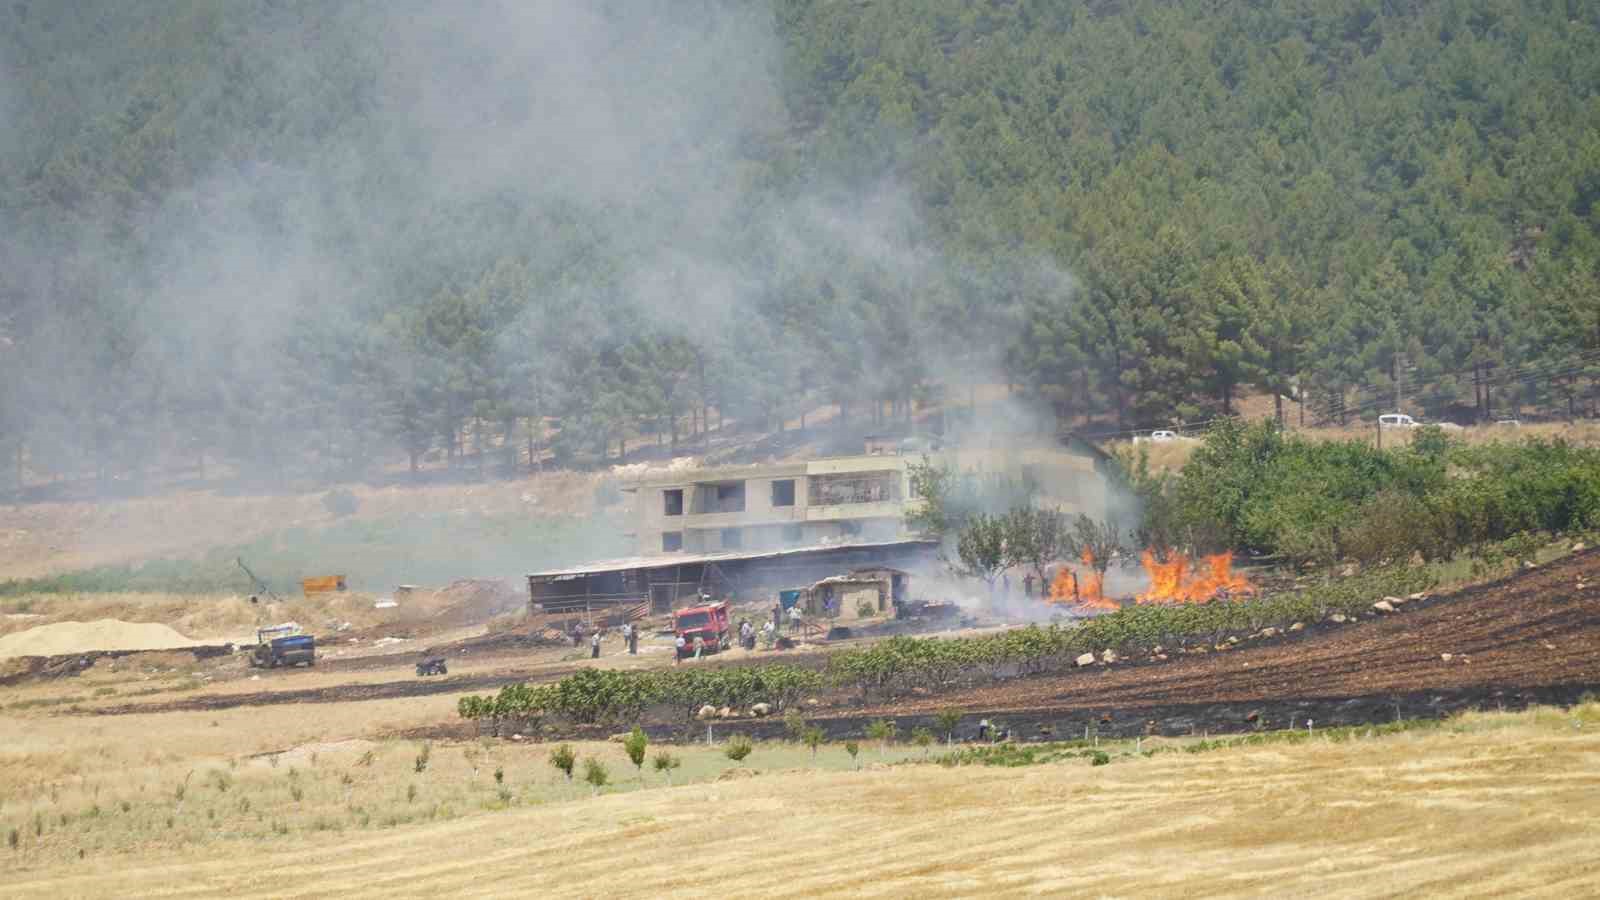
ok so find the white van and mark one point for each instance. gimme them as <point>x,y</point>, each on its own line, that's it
<point>1396,420</point>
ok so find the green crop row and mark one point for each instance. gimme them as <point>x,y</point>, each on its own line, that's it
<point>903,663</point>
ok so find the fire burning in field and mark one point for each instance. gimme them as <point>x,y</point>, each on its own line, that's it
<point>1179,579</point>
<point>1183,580</point>
<point>1086,591</point>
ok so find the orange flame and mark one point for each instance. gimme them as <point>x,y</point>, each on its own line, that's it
<point>1086,592</point>
<point>1181,580</point>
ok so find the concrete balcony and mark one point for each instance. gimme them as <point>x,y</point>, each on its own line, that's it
<point>782,515</point>
<point>880,510</point>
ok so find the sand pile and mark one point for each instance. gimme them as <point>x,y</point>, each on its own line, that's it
<point>60,638</point>
<point>474,601</point>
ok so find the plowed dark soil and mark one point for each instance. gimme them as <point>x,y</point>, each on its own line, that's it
<point>1534,636</point>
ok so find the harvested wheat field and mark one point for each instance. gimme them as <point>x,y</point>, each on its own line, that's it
<point>1487,805</point>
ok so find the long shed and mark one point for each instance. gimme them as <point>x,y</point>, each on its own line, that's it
<point>670,580</point>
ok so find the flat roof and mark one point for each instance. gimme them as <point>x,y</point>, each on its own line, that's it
<point>687,559</point>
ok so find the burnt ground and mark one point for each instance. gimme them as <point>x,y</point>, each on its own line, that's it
<point>1533,637</point>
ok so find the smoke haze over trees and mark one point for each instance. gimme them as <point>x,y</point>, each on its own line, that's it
<point>306,238</point>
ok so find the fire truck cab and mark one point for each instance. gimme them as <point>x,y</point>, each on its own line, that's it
<point>709,623</point>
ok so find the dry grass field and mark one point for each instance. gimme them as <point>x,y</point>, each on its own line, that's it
<point>1485,805</point>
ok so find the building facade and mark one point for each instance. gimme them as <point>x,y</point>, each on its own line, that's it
<point>836,500</point>
<point>857,499</point>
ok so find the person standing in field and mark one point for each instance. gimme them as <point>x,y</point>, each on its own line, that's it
<point>594,645</point>
<point>633,640</point>
<point>682,645</point>
<point>699,646</point>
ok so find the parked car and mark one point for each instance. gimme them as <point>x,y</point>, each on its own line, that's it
<point>1396,420</point>
<point>1163,435</point>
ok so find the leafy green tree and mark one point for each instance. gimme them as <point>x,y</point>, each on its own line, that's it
<point>1039,537</point>
<point>981,547</point>
<point>635,745</point>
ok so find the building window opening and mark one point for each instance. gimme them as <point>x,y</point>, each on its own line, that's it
<point>867,487</point>
<point>671,541</point>
<point>672,502</point>
<point>783,492</point>
<point>730,497</point>
<point>732,539</point>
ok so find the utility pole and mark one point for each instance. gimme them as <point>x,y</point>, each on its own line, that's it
<point>1399,382</point>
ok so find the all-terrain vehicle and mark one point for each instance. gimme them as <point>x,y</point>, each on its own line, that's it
<point>283,645</point>
<point>434,666</point>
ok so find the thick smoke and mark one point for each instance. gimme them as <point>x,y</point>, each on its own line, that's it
<point>652,136</point>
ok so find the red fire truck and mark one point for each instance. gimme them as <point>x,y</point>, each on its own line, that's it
<point>709,623</point>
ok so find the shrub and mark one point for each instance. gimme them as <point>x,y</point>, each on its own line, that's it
<point>813,738</point>
<point>595,773</point>
<point>866,610</point>
<point>420,764</point>
<point>946,721</point>
<point>665,762</point>
<point>499,775</point>
<point>564,759</point>
<point>795,724</point>
<point>923,738</point>
<point>737,748</point>
<point>852,748</point>
<point>882,731</point>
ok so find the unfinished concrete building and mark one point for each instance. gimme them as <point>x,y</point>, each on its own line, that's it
<point>840,500</point>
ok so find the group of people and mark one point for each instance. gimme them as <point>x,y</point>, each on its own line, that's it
<point>630,638</point>
<point>748,634</point>
<point>778,616</point>
<point>682,645</point>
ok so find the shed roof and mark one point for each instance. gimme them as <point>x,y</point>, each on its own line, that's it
<point>667,560</point>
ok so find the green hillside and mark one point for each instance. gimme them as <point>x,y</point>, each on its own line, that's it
<point>304,238</point>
